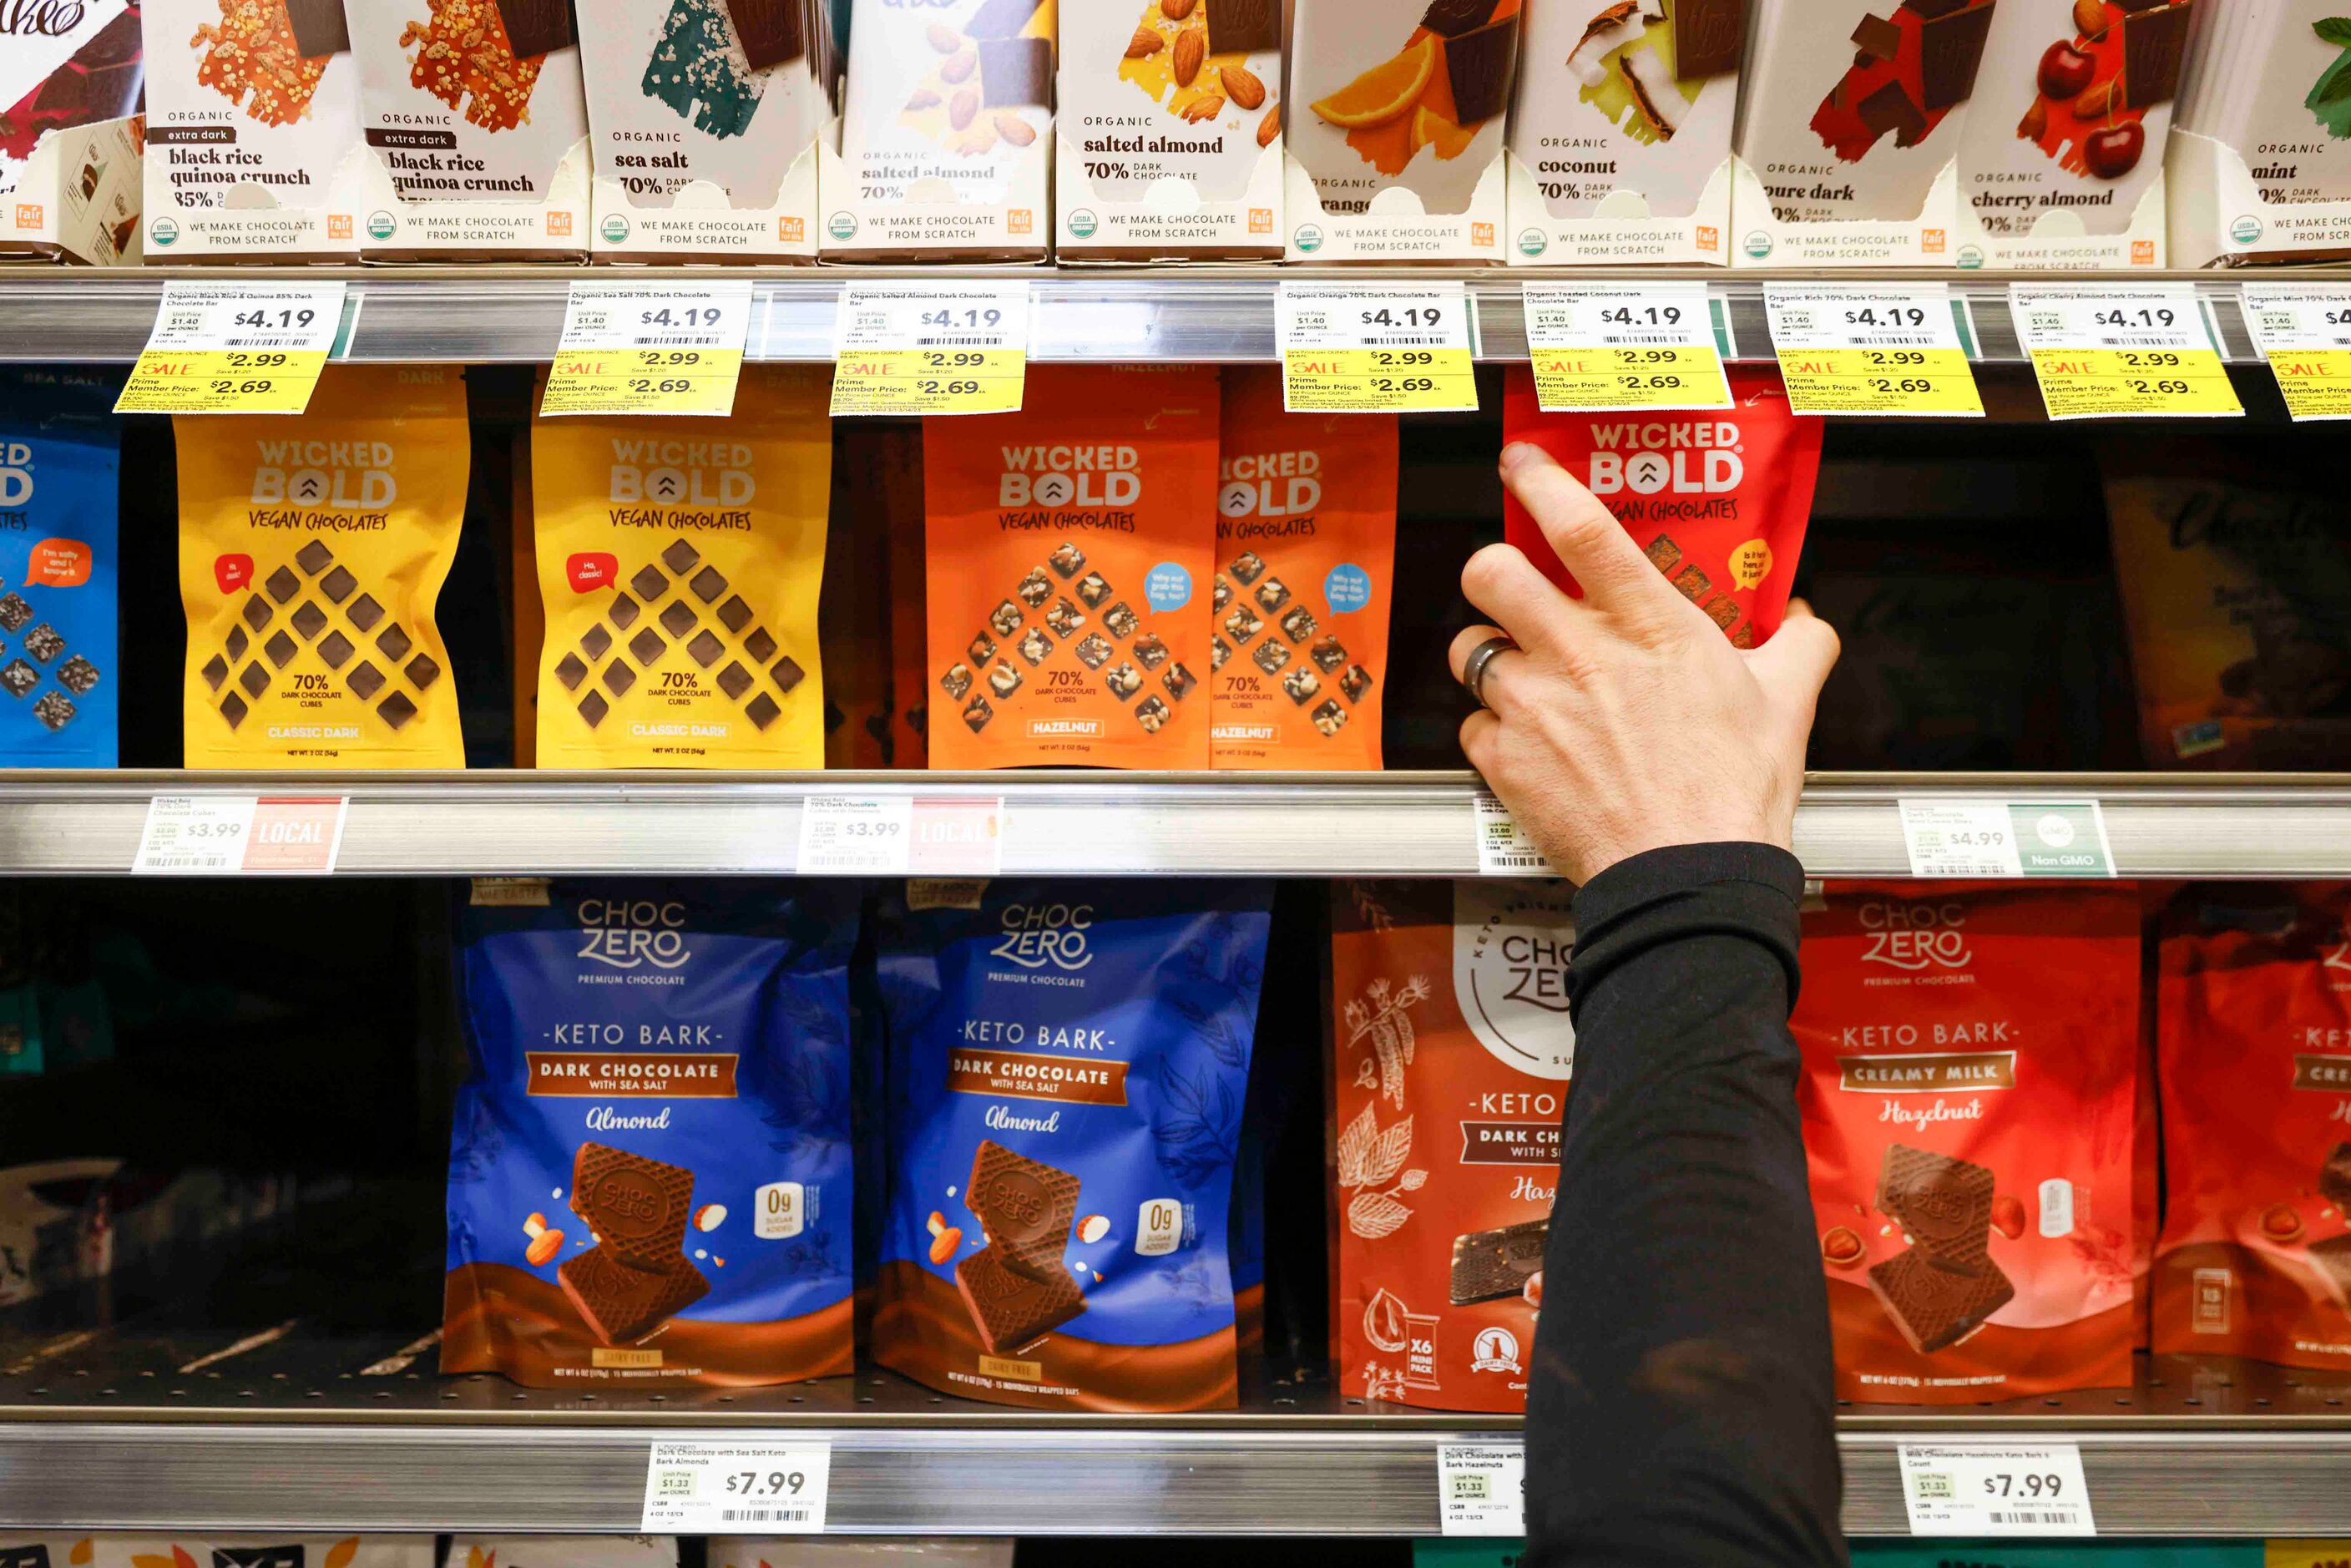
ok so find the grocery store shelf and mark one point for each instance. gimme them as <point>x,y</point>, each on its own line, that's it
<point>515,314</point>
<point>1080,823</point>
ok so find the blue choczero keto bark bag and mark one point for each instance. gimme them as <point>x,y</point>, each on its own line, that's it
<point>1067,1063</point>
<point>59,662</point>
<point>649,1175</point>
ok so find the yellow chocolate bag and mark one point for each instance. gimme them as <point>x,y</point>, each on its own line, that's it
<point>680,562</point>
<point>312,550</point>
<point>1306,508</point>
<point>1070,551</point>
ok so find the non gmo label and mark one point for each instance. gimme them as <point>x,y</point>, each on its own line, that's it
<point>1990,837</point>
<point>1481,1488</point>
<point>768,1488</point>
<point>1996,1489</point>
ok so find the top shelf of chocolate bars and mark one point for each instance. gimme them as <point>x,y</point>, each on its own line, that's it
<point>2122,135</point>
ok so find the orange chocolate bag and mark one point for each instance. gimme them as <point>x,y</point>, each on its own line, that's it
<point>1452,1050</point>
<point>1969,1101</point>
<point>1718,497</point>
<point>1070,546</point>
<point>1305,562</point>
<point>2253,1029</point>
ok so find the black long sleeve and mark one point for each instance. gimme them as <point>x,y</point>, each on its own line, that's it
<point>1680,1409</point>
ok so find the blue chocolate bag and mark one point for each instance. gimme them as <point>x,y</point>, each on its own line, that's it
<point>59,452</point>
<point>1067,1065</point>
<point>649,1171</point>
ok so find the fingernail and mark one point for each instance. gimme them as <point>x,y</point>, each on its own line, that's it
<point>1515,453</point>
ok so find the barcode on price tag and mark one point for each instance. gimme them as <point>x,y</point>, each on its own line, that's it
<point>1948,837</point>
<point>693,1489</point>
<point>650,348</point>
<point>1503,847</point>
<point>901,835</point>
<point>233,835</point>
<point>1481,1488</point>
<point>236,347</point>
<point>1383,347</point>
<point>1996,1489</point>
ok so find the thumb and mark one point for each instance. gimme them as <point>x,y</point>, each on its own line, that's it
<point>1793,665</point>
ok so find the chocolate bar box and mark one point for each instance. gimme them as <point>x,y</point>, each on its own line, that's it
<point>1848,136</point>
<point>947,135</point>
<point>2061,160</point>
<point>1395,149</point>
<point>705,117</point>
<point>1171,118</point>
<point>474,115</point>
<point>253,131</point>
<point>70,186</point>
<point>2259,163</point>
<point>1620,137</point>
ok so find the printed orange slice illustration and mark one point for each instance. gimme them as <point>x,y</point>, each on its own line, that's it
<point>1384,92</point>
<point>1430,128</point>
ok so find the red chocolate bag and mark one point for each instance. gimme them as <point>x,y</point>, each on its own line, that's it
<point>1969,1100</point>
<point>1716,497</point>
<point>2253,1030</point>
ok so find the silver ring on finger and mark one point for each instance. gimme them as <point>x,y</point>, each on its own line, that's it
<point>1473,668</point>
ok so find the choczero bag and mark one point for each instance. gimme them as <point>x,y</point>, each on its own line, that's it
<point>2253,1031</point>
<point>1068,1064</point>
<point>1305,568</point>
<point>59,570</point>
<point>1453,1052</point>
<point>1717,498</point>
<point>679,563</point>
<point>312,550</point>
<point>1969,1100</point>
<point>649,1175</point>
<point>1070,552</point>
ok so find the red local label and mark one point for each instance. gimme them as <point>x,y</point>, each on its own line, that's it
<point>59,564</point>
<point>232,571</point>
<point>592,569</point>
<point>294,833</point>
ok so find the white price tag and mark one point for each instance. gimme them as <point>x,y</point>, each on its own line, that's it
<point>650,348</point>
<point>2146,350</point>
<point>234,835</point>
<point>1376,348</point>
<point>930,348</point>
<point>1990,837</point>
<point>1603,349</point>
<point>757,1489</point>
<point>1481,1488</point>
<point>2024,1489</point>
<point>234,348</point>
<point>1876,348</point>
<point>2305,332</point>
<point>901,835</point>
<point>1503,847</point>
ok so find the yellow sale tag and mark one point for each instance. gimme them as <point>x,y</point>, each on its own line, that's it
<point>2316,381</point>
<point>228,348</point>
<point>1881,349</point>
<point>1597,348</point>
<point>642,381</point>
<point>650,348</point>
<point>2113,383</point>
<point>931,349</point>
<point>2305,333</point>
<point>1376,348</point>
<point>1880,380</point>
<point>2122,353</point>
<point>2306,1554</point>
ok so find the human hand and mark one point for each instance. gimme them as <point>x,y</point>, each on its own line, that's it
<point>1625,721</point>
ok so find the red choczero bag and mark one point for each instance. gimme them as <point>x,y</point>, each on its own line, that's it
<point>1716,497</point>
<point>1969,1100</point>
<point>2253,1031</point>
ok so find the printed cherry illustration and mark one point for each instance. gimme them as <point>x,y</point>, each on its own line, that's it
<point>2065,71</point>
<point>2113,151</point>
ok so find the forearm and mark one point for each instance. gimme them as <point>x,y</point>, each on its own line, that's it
<point>1680,1409</point>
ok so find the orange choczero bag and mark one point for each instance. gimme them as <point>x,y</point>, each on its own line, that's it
<point>1970,1101</point>
<point>1305,568</point>
<point>2253,1029</point>
<point>1070,552</point>
<point>1452,1050</point>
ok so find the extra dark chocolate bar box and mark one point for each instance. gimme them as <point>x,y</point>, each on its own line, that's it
<point>1068,1064</point>
<point>648,1176</point>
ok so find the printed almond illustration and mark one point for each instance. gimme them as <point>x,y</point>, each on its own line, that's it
<point>1642,63</point>
<point>1192,59</point>
<point>992,85</point>
<point>267,56</point>
<point>483,59</point>
<point>1908,72</point>
<point>2096,84</point>
<point>1451,76</point>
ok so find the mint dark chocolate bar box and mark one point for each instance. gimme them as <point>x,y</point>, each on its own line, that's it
<point>705,117</point>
